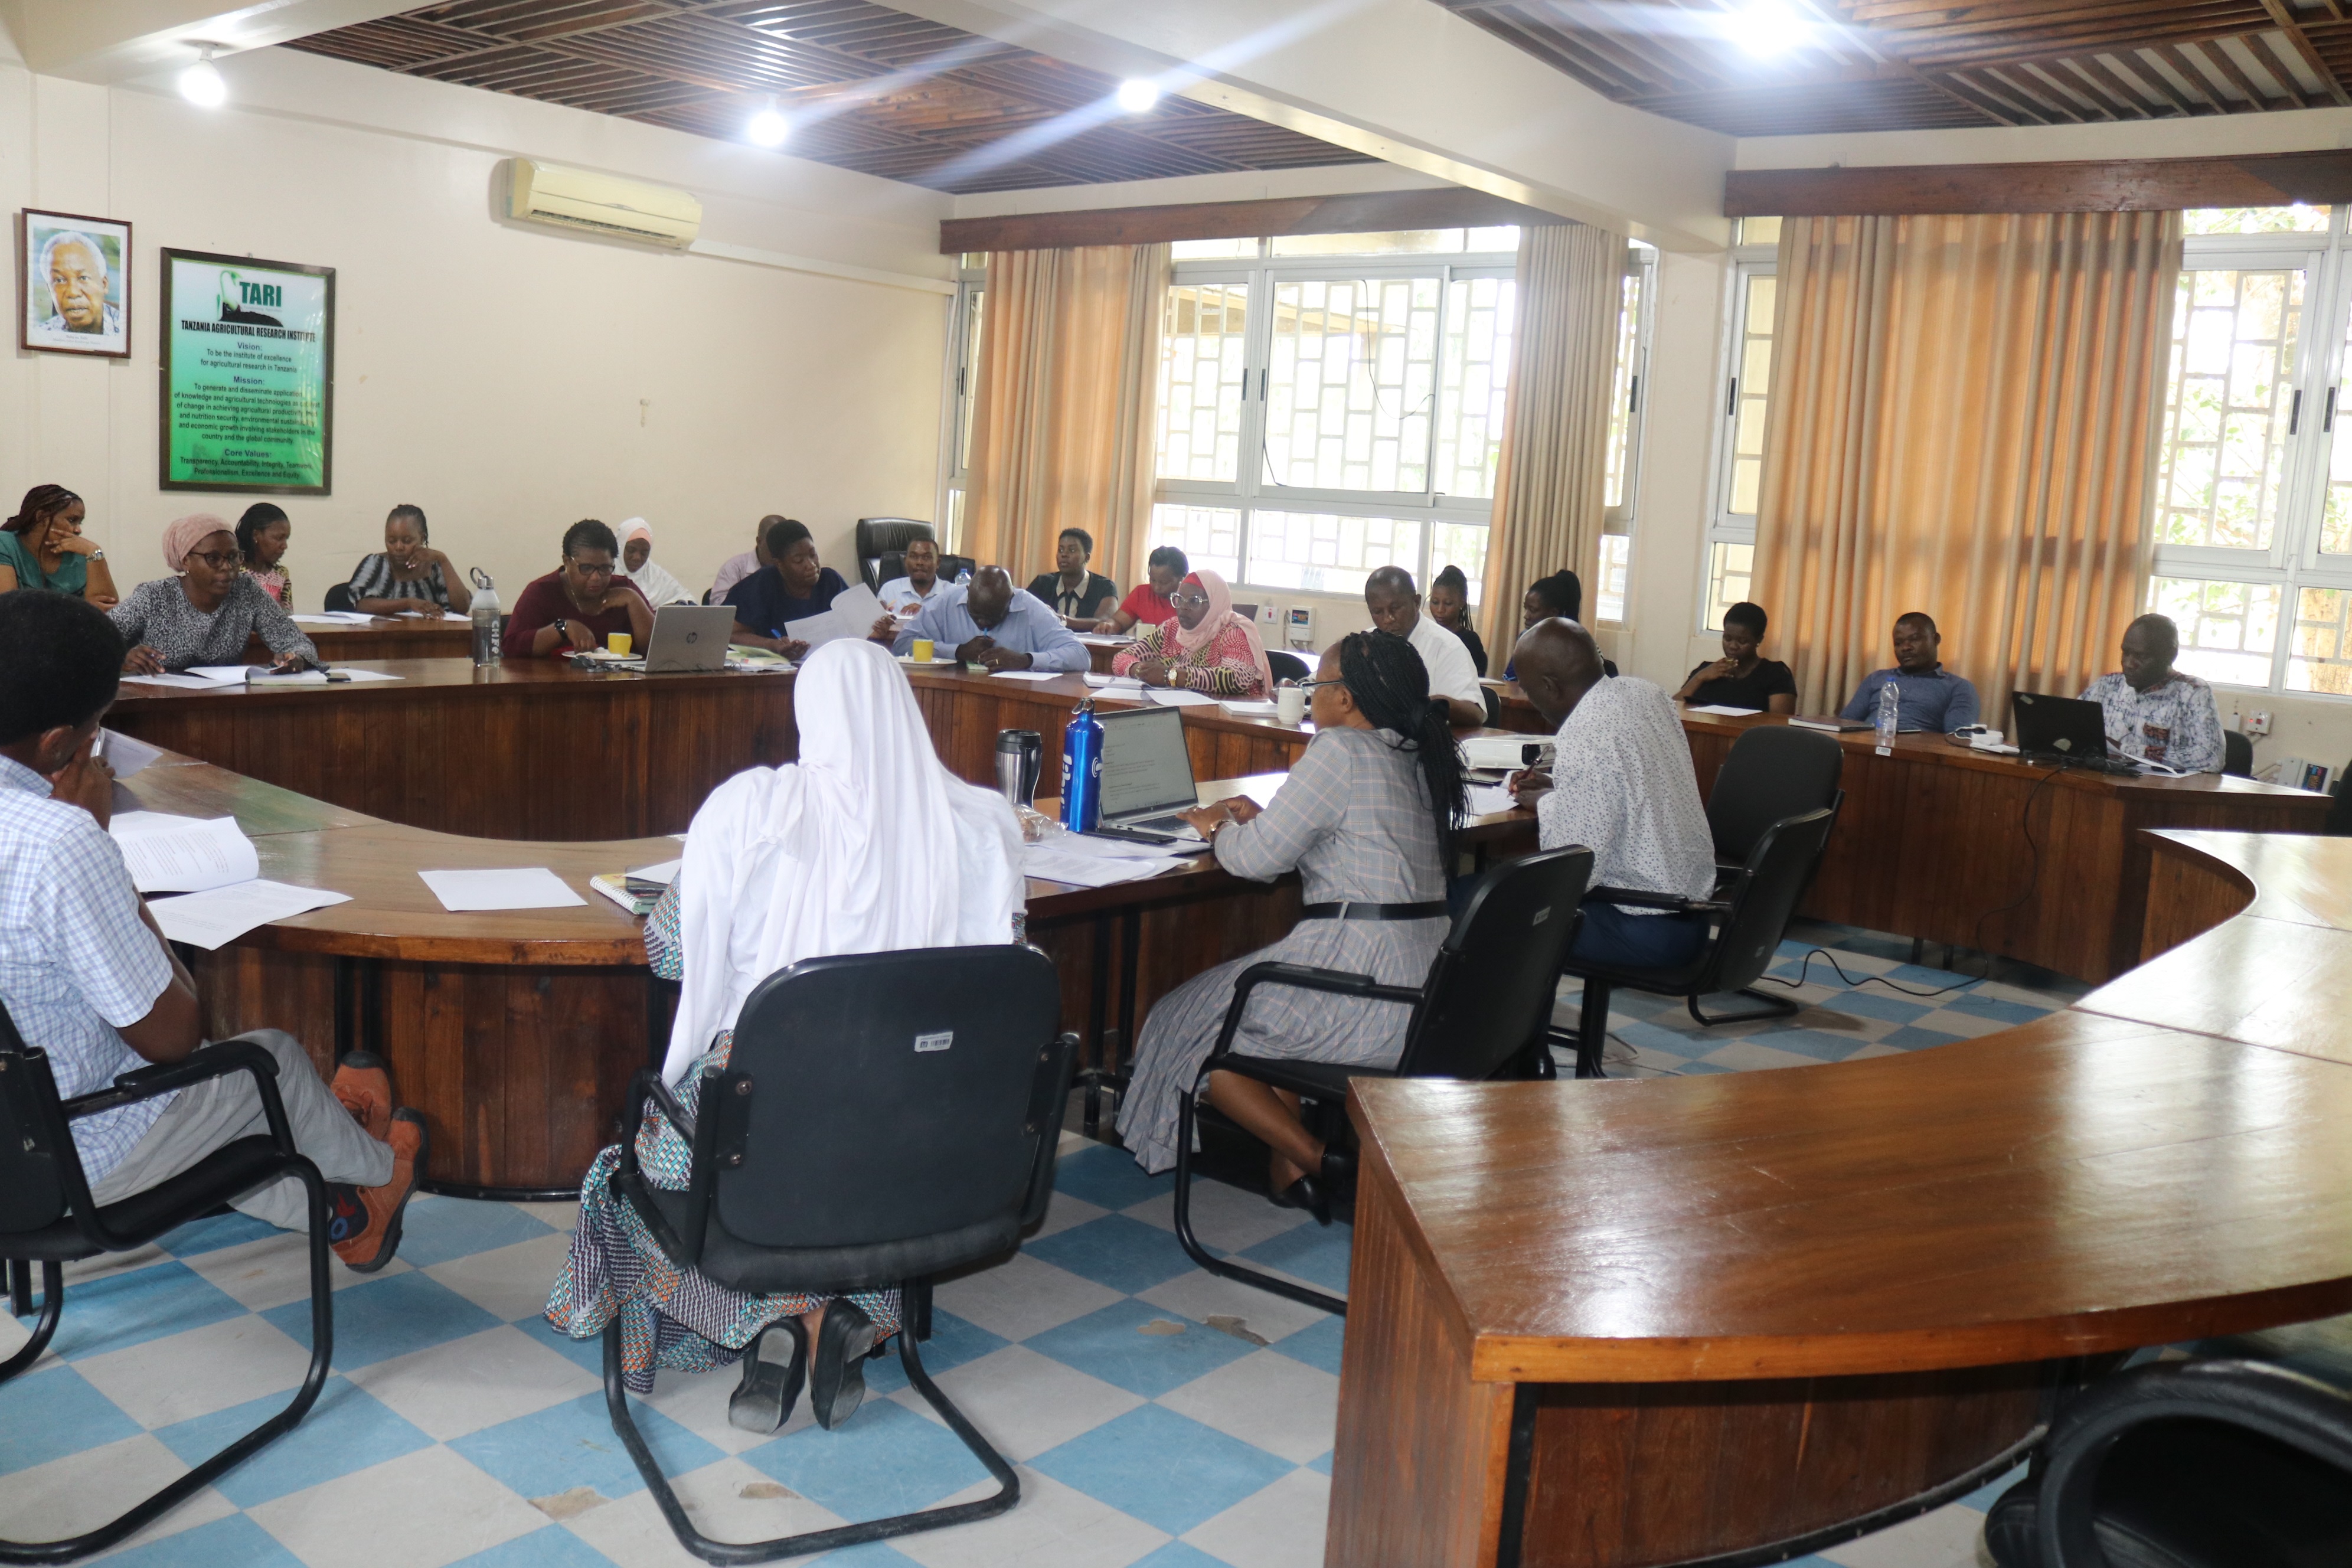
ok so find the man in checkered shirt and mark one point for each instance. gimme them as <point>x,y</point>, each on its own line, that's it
<point>88,978</point>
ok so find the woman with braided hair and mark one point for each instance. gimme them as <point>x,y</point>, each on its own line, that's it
<point>42,547</point>
<point>1365,818</point>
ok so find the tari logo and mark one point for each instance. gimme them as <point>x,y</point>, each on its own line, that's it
<point>260,293</point>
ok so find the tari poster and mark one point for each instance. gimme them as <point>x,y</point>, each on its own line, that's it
<point>248,375</point>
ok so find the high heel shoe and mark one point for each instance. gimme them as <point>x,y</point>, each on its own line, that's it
<point>1307,1193</point>
<point>838,1383</point>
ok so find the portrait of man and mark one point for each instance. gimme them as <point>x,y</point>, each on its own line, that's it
<point>74,289</point>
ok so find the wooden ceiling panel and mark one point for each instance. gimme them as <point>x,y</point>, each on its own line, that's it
<point>1896,64</point>
<point>867,88</point>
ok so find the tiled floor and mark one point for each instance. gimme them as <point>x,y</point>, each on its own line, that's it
<point>1158,1416</point>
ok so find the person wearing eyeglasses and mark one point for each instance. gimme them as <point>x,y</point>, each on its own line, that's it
<point>205,612</point>
<point>1208,647</point>
<point>580,604</point>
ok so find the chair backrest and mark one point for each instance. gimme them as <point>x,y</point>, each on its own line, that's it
<point>338,596</point>
<point>1286,665</point>
<point>1774,772</point>
<point>877,536</point>
<point>2237,754</point>
<point>32,1126</point>
<point>890,1098</point>
<point>2339,811</point>
<point>1764,898</point>
<point>1490,989</point>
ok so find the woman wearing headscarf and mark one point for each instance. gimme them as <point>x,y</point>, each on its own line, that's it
<point>1207,648</point>
<point>42,547</point>
<point>867,844</point>
<point>638,561</point>
<point>1365,818</point>
<point>205,612</point>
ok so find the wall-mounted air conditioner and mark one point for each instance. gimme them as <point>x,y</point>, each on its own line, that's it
<point>599,203</point>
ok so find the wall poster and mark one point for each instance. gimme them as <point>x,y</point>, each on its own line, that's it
<point>73,284</point>
<point>247,400</point>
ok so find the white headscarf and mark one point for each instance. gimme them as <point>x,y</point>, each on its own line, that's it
<point>658,586</point>
<point>867,844</point>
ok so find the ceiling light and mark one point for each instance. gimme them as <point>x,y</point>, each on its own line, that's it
<point>201,84</point>
<point>1136,96</point>
<point>769,128</point>
<point>1768,27</point>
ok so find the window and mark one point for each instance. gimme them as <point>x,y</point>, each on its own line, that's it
<point>2253,523</point>
<point>971,294</point>
<point>1740,476</point>
<point>1330,403</point>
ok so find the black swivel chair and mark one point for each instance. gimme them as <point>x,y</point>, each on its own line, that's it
<point>338,598</point>
<point>46,1217</point>
<point>876,536</point>
<point>2237,754</point>
<point>1483,1008</point>
<point>1772,773</point>
<point>1286,665</point>
<point>1750,909</point>
<point>2201,1463</point>
<point>882,1117</point>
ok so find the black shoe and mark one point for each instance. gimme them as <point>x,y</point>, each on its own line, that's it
<point>1309,1193</point>
<point>837,1381</point>
<point>764,1401</point>
<point>1338,1170</point>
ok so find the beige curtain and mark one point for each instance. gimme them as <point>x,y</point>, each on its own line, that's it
<point>1069,372</point>
<point>1964,420</point>
<point>1550,494</point>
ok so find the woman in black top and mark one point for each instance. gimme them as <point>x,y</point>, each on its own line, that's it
<point>1742,678</point>
<point>1449,606</point>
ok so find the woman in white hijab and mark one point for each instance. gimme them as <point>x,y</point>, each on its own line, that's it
<point>867,844</point>
<point>638,561</point>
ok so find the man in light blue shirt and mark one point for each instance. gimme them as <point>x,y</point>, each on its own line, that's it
<point>1931,699</point>
<point>991,622</point>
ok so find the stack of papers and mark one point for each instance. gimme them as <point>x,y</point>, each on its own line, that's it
<point>1085,862</point>
<point>1171,698</point>
<point>1244,709</point>
<point>855,610</point>
<point>215,866</point>
<point>333,619</point>
<point>1121,683</point>
<point>1027,674</point>
<point>1103,639</point>
<point>528,888</point>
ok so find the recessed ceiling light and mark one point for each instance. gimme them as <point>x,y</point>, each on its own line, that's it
<point>1768,27</point>
<point>1136,96</point>
<point>769,128</point>
<point>201,84</point>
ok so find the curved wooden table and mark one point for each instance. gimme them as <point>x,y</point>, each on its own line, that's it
<point>1643,1322</point>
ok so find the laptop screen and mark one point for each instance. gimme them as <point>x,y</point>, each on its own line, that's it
<point>1145,764</point>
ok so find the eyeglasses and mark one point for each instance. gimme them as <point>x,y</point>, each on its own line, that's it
<point>219,561</point>
<point>1190,599</point>
<point>1311,685</point>
<point>587,570</point>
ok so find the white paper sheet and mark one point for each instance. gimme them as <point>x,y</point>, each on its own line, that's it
<point>1241,709</point>
<point>855,610</point>
<point>664,872</point>
<point>1103,639</point>
<point>124,754</point>
<point>184,682</point>
<point>1173,698</point>
<point>454,615</point>
<point>1487,798</point>
<point>1056,865</point>
<point>317,620</point>
<point>359,676</point>
<point>523,887</point>
<point>210,919</point>
<point>1718,708</point>
<point>170,854</point>
<point>1027,674</point>
<point>1115,682</point>
<point>1094,848</point>
<point>222,674</point>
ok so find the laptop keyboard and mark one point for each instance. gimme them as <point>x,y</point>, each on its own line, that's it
<point>1161,825</point>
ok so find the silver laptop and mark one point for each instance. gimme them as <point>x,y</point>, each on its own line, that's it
<point>1147,774</point>
<point>688,637</point>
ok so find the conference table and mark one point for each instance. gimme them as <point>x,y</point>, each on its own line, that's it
<point>385,636</point>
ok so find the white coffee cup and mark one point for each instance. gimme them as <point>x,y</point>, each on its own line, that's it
<point>1289,703</point>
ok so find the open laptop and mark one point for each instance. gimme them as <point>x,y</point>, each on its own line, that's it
<point>687,637</point>
<point>2066,730</point>
<point>1147,775</point>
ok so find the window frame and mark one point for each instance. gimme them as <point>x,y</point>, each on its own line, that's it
<point>963,395</point>
<point>1724,526</point>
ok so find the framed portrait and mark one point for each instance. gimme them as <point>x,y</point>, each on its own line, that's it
<point>247,400</point>
<point>73,284</point>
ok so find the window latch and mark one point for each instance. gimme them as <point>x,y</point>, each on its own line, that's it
<point>2295,413</point>
<point>2328,417</point>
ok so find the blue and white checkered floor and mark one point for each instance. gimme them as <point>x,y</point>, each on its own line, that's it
<point>1159,1417</point>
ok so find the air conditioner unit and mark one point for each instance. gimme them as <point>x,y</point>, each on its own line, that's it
<point>599,203</point>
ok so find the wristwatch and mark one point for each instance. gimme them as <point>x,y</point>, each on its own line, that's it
<point>98,555</point>
<point>563,629</point>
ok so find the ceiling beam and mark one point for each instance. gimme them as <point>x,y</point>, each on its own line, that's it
<point>1366,212</point>
<point>2301,41</point>
<point>2127,185</point>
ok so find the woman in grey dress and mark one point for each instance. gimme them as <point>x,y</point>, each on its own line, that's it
<point>1365,818</point>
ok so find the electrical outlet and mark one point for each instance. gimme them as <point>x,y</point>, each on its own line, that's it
<point>2257,723</point>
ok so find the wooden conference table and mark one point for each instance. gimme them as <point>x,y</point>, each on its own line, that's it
<point>1624,1323</point>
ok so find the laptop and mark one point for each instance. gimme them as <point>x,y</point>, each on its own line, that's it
<point>688,637</point>
<point>2066,730</point>
<point>1146,776</point>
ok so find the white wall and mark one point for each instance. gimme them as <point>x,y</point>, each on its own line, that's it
<point>508,379</point>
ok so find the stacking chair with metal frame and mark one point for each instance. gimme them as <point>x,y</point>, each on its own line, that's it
<point>1749,911</point>
<point>46,1217</point>
<point>882,1117</point>
<point>1483,1007</point>
<point>1772,773</point>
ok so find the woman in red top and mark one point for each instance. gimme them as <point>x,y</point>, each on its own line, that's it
<point>1207,648</point>
<point>1151,604</point>
<point>576,607</point>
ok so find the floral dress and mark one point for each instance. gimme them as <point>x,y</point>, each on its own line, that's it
<point>1222,668</point>
<point>671,1316</point>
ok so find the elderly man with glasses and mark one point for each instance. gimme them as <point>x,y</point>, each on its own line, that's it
<point>576,606</point>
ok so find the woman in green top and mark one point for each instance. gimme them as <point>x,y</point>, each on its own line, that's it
<point>42,547</point>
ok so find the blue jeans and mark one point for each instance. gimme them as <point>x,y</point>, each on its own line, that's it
<point>1613,939</point>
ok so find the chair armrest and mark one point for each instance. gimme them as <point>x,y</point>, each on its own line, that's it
<point>1337,982</point>
<point>647,1085</point>
<point>1674,902</point>
<point>205,1062</point>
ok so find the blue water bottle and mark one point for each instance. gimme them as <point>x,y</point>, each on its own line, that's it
<point>1082,770</point>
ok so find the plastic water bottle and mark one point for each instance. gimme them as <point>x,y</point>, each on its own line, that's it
<point>1890,708</point>
<point>964,578</point>
<point>486,619</point>
<point>1082,770</point>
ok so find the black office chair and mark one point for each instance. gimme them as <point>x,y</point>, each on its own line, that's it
<point>2338,823</point>
<point>877,536</point>
<point>46,1217</point>
<point>1749,913</point>
<point>338,598</point>
<point>882,1117</point>
<point>1286,665</point>
<point>2200,1463</point>
<point>1482,1010</point>
<point>2237,754</point>
<point>1772,773</point>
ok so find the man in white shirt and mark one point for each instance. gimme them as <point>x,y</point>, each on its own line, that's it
<point>906,596</point>
<point>1621,784</point>
<point>1395,606</point>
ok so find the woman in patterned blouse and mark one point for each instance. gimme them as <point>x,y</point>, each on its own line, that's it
<point>1206,648</point>
<point>409,576</point>
<point>206,611</point>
